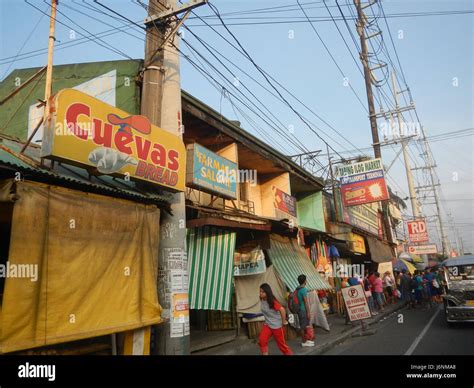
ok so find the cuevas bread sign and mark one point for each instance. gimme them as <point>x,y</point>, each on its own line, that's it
<point>87,131</point>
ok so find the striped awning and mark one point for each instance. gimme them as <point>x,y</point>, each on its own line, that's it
<point>210,263</point>
<point>290,261</point>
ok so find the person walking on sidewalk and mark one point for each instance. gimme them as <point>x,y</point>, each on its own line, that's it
<point>304,313</point>
<point>275,319</point>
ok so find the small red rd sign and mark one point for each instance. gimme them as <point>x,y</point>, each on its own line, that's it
<point>417,231</point>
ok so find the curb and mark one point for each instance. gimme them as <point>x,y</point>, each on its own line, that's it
<point>318,350</point>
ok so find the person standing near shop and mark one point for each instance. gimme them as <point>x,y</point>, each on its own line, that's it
<point>378,291</point>
<point>388,283</point>
<point>406,288</point>
<point>275,319</point>
<point>304,313</point>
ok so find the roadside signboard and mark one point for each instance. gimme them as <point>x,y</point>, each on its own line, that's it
<point>356,243</point>
<point>249,263</point>
<point>423,249</point>
<point>362,182</point>
<point>366,217</point>
<point>210,172</point>
<point>356,303</point>
<point>90,133</point>
<point>417,231</point>
<point>284,202</point>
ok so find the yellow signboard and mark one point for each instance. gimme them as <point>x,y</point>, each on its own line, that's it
<point>85,131</point>
<point>357,243</point>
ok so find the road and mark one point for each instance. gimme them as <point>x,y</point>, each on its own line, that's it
<point>412,332</point>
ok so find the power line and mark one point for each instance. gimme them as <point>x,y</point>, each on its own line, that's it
<point>23,45</point>
<point>286,136</point>
<point>105,45</point>
<point>330,54</point>
<point>314,19</point>
<point>272,93</point>
<point>266,78</point>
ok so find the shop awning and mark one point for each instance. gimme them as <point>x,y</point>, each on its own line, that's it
<point>379,252</point>
<point>96,265</point>
<point>290,261</point>
<point>210,262</point>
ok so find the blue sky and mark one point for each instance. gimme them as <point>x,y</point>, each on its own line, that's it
<point>436,53</point>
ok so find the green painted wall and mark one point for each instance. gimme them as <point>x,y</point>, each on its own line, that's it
<point>127,95</point>
<point>310,212</point>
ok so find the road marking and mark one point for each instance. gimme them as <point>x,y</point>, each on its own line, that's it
<point>417,340</point>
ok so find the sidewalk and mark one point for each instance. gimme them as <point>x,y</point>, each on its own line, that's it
<point>324,341</point>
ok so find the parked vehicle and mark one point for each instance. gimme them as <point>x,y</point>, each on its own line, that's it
<point>459,291</point>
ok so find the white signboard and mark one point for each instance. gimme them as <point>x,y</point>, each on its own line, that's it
<point>356,303</point>
<point>423,249</point>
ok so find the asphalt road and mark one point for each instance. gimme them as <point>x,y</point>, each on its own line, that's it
<point>412,332</point>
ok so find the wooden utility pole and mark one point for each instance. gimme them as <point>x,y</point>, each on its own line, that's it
<point>49,76</point>
<point>152,89</point>
<point>361,21</point>
<point>161,103</point>
<point>49,68</point>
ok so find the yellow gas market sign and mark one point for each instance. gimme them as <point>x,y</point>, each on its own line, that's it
<point>87,132</point>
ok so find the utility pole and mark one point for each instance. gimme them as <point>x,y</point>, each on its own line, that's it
<point>457,239</point>
<point>430,165</point>
<point>161,103</point>
<point>462,246</point>
<point>336,209</point>
<point>49,76</point>
<point>49,68</point>
<point>368,77</point>
<point>361,20</point>
<point>415,206</point>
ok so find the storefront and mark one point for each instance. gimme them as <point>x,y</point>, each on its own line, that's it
<point>82,213</point>
<point>219,256</point>
<point>95,264</point>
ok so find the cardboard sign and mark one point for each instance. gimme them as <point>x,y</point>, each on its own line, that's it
<point>356,303</point>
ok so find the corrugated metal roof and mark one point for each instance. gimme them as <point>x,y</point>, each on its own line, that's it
<point>70,175</point>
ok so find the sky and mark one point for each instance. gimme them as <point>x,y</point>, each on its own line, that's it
<point>436,54</point>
